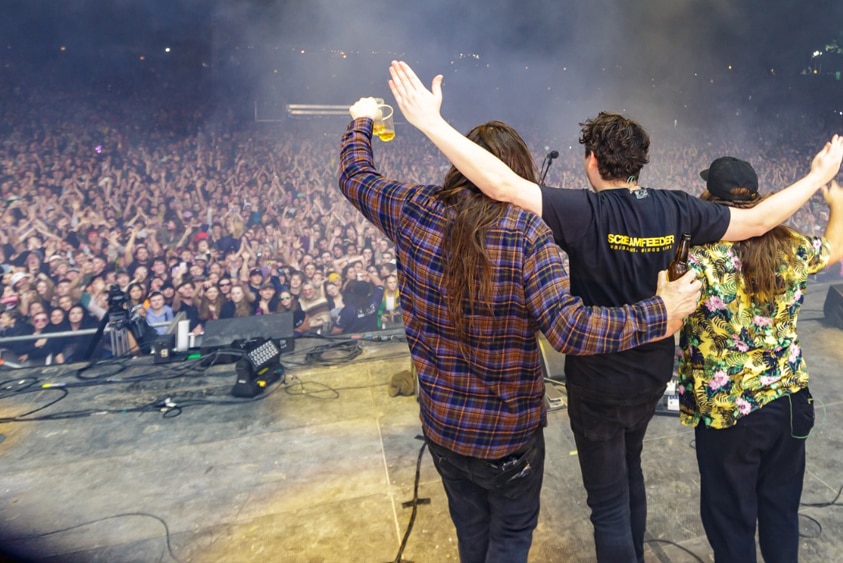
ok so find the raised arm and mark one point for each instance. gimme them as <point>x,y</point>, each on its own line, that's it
<point>420,107</point>
<point>748,223</point>
<point>834,230</point>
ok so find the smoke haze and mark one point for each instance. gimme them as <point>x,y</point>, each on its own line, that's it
<point>539,64</point>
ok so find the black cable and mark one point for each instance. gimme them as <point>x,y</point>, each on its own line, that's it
<point>172,369</point>
<point>815,521</point>
<point>176,404</point>
<point>120,361</point>
<point>13,386</point>
<point>341,353</point>
<point>288,363</point>
<point>326,388</point>
<point>21,417</point>
<point>291,390</point>
<point>676,545</point>
<point>170,407</point>
<point>824,504</point>
<point>123,515</point>
<point>27,417</point>
<point>415,503</point>
<point>370,386</point>
<point>346,351</point>
<point>339,341</point>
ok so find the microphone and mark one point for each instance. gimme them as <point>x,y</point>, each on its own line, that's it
<point>548,159</point>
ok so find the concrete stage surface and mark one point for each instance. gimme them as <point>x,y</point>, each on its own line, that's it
<point>163,464</point>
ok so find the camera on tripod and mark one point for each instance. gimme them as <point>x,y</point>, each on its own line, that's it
<point>117,301</point>
<point>128,323</point>
<point>118,321</point>
<point>125,331</point>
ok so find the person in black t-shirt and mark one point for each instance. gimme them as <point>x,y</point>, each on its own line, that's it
<point>76,347</point>
<point>184,303</point>
<point>359,313</point>
<point>267,302</point>
<point>11,325</point>
<point>36,352</point>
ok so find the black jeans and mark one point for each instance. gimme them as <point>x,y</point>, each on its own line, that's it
<point>752,472</point>
<point>609,441</point>
<point>494,504</point>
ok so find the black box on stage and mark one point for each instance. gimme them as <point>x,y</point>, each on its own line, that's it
<point>226,333</point>
<point>833,306</point>
<point>162,348</point>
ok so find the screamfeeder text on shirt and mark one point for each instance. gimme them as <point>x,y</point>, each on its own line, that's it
<point>640,244</point>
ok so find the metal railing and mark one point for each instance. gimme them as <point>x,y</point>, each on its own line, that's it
<point>63,334</point>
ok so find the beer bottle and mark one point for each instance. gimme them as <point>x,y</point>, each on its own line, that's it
<point>679,265</point>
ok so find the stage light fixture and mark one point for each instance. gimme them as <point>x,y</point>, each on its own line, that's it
<point>258,368</point>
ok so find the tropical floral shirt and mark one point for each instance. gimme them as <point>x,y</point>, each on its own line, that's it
<point>736,355</point>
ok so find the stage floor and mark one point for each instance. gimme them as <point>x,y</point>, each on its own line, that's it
<point>163,464</point>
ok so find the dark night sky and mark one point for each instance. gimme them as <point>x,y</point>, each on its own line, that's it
<point>599,52</point>
<point>777,32</point>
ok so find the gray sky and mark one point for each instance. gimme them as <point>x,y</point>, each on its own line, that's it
<point>547,59</point>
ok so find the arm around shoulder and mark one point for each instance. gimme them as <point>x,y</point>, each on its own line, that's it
<point>748,223</point>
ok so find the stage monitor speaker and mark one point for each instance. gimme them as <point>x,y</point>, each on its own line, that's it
<point>833,307</point>
<point>225,333</point>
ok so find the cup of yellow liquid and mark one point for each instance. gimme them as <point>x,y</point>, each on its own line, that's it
<point>384,126</point>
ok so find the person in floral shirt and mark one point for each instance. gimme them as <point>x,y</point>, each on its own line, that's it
<point>743,383</point>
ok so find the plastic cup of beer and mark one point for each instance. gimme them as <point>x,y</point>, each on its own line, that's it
<point>384,126</point>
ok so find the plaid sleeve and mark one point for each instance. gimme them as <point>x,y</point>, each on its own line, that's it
<point>569,325</point>
<point>378,199</point>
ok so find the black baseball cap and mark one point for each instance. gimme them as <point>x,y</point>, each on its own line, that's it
<point>728,173</point>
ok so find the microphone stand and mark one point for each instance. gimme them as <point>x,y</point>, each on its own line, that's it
<point>548,160</point>
<point>543,170</point>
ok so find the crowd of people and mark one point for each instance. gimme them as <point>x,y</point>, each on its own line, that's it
<point>215,218</point>
<point>197,215</point>
<point>210,224</point>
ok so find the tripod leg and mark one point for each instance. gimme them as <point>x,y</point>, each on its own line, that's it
<point>121,343</point>
<point>96,341</point>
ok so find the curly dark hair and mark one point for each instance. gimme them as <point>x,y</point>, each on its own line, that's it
<point>620,145</point>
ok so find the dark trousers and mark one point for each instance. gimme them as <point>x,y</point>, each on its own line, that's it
<point>609,441</point>
<point>494,504</point>
<point>752,472</point>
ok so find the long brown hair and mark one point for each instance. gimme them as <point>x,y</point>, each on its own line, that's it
<point>762,257</point>
<point>244,307</point>
<point>205,313</point>
<point>468,267</point>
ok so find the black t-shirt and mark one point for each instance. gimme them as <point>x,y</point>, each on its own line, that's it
<point>191,313</point>
<point>617,241</point>
<point>227,310</point>
<point>20,328</point>
<point>76,347</point>
<point>298,314</point>
<point>273,306</point>
<point>353,320</point>
<point>51,346</point>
